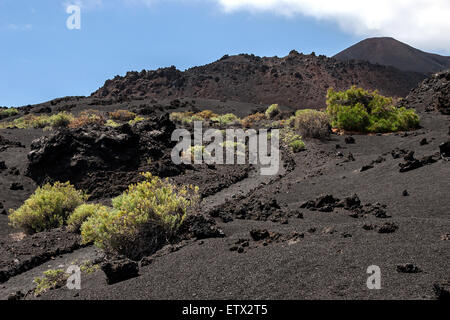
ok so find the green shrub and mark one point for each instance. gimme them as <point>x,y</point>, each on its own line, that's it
<point>297,145</point>
<point>52,279</point>
<point>48,207</point>
<point>291,139</point>
<point>9,112</point>
<point>367,111</point>
<point>81,214</point>
<point>312,123</point>
<point>354,118</point>
<point>60,120</point>
<point>122,115</point>
<point>184,118</point>
<point>272,111</point>
<point>136,120</point>
<point>153,201</point>
<point>206,114</point>
<point>226,119</point>
<point>195,152</point>
<point>112,123</point>
<point>87,118</point>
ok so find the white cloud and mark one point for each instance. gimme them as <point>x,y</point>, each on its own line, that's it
<point>421,23</point>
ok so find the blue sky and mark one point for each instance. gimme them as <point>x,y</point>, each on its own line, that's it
<point>40,59</point>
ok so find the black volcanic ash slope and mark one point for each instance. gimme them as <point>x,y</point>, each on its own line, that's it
<point>296,80</point>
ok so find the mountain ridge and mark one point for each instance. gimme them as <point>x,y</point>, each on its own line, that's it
<point>391,52</point>
<point>295,80</point>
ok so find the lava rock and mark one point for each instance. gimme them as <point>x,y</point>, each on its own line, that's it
<point>350,140</point>
<point>258,235</point>
<point>367,167</point>
<point>146,261</point>
<point>16,296</point>
<point>442,290</point>
<point>388,227</point>
<point>445,149</point>
<point>412,163</point>
<point>16,186</point>
<point>3,165</point>
<point>200,227</point>
<point>405,193</point>
<point>352,203</point>
<point>423,142</point>
<point>104,160</point>
<point>350,157</point>
<point>120,270</point>
<point>408,268</point>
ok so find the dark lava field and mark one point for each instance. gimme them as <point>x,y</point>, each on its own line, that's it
<point>310,232</point>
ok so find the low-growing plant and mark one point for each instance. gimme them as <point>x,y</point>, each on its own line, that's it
<point>86,119</point>
<point>297,145</point>
<point>357,109</point>
<point>312,123</point>
<point>9,112</point>
<point>184,118</point>
<point>122,115</point>
<point>136,120</point>
<point>206,114</point>
<point>112,123</point>
<point>52,279</point>
<point>88,267</point>
<point>152,202</point>
<point>272,111</point>
<point>48,207</point>
<point>81,214</point>
<point>60,120</point>
<point>253,119</point>
<point>226,119</point>
<point>292,140</point>
<point>195,152</point>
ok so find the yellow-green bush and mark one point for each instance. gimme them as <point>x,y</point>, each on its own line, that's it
<point>88,117</point>
<point>122,115</point>
<point>52,279</point>
<point>206,114</point>
<point>297,145</point>
<point>226,119</point>
<point>9,112</point>
<point>272,111</point>
<point>112,123</point>
<point>136,120</point>
<point>195,152</point>
<point>184,118</point>
<point>357,109</point>
<point>292,140</point>
<point>81,214</point>
<point>312,123</point>
<point>48,207</point>
<point>62,119</point>
<point>153,201</point>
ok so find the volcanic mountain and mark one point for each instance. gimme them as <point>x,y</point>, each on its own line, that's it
<point>296,80</point>
<point>391,52</point>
